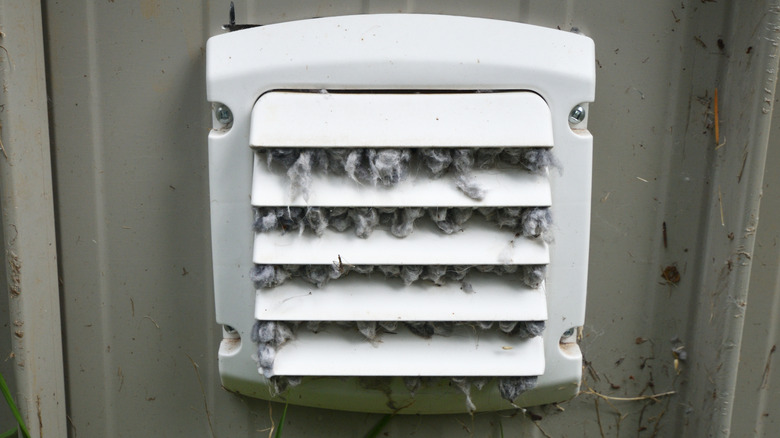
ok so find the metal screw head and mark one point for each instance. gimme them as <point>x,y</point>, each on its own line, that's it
<point>568,333</point>
<point>224,115</point>
<point>229,329</point>
<point>577,115</point>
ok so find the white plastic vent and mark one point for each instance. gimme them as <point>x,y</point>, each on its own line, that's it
<point>381,298</point>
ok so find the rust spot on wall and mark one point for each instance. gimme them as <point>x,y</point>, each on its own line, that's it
<point>15,272</point>
<point>150,8</point>
<point>40,417</point>
<point>671,274</point>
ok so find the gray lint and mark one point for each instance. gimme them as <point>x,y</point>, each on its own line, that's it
<point>390,166</point>
<point>339,219</point>
<point>422,329</point>
<point>464,385</point>
<point>388,326</point>
<point>283,157</point>
<point>458,272</point>
<point>403,220</point>
<point>365,220</point>
<point>479,382</point>
<point>371,166</point>
<point>437,161</point>
<point>536,222</point>
<point>529,329</point>
<point>532,159</point>
<point>533,275</point>
<point>412,383</point>
<point>390,270</point>
<point>267,276</point>
<point>337,160</point>
<point>358,167</point>
<point>469,187</point>
<point>507,326</point>
<point>511,387</point>
<point>463,160</point>
<point>434,273</point>
<point>281,384</point>
<point>270,336</point>
<point>443,328</point>
<point>411,273</point>
<point>368,330</point>
<point>522,329</point>
<point>316,220</point>
<point>266,354</point>
<point>531,222</point>
<point>486,158</point>
<point>300,175</point>
<point>318,274</point>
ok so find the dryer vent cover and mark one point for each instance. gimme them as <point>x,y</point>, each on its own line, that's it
<point>400,211</point>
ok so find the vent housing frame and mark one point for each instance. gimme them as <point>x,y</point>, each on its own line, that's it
<point>397,52</point>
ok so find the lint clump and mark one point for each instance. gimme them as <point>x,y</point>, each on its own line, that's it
<point>531,222</point>
<point>269,337</point>
<point>268,276</point>
<point>389,166</point>
<point>464,384</point>
<point>299,165</point>
<point>511,387</point>
<point>281,384</point>
<point>373,331</point>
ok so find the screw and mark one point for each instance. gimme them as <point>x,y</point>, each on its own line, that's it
<point>229,329</point>
<point>568,333</point>
<point>577,115</point>
<point>224,115</point>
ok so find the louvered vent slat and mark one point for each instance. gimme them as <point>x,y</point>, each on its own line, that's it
<point>374,298</point>
<point>510,119</point>
<point>478,244</point>
<point>344,353</point>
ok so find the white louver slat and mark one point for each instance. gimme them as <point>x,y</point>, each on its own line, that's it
<point>390,300</point>
<point>336,119</point>
<point>477,244</point>
<point>404,354</point>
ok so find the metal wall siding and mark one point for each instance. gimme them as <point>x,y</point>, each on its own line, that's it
<point>129,121</point>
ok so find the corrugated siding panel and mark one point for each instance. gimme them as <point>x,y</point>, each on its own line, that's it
<point>129,125</point>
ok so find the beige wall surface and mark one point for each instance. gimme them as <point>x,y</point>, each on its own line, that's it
<point>129,121</point>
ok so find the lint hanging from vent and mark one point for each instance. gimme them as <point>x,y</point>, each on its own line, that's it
<point>400,217</point>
